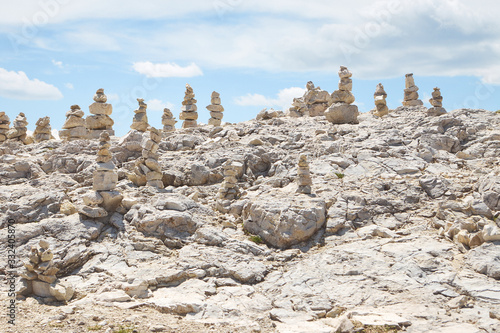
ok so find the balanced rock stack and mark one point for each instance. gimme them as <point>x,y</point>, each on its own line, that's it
<point>147,168</point>
<point>215,109</point>
<point>229,189</point>
<point>39,277</point>
<point>168,121</point>
<point>18,132</point>
<point>74,126</point>
<point>4,126</point>
<point>140,121</point>
<point>103,199</point>
<point>341,111</point>
<point>380,104</point>
<point>437,104</point>
<point>100,119</point>
<point>43,131</point>
<point>188,109</point>
<point>304,176</point>
<point>411,92</point>
<point>314,102</point>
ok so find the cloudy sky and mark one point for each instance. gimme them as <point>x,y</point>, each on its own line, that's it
<point>255,53</point>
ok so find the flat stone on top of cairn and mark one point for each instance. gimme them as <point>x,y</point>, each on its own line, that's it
<point>341,111</point>
<point>380,104</point>
<point>140,121</point>
<point>215,109</point>
<point>100,119</point>
<point>4,126</point>
<point>411,92</point>
<point>168,121</point>
<point>188,109</point>
<point>437,104</point>
<point>304,180</point>
<point>43,131</point>
<point>74,126</point>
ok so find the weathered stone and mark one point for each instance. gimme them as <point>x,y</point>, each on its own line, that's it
<point>341,113</point>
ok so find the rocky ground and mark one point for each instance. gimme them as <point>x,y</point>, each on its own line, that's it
<point>401,232</point>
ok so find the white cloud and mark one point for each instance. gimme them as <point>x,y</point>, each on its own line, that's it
<point>166,70</point>
<point>69,86</point>
<point>283,100</point>
<point>158,105</point>
<point>17,85</point>
<point>58,64</point>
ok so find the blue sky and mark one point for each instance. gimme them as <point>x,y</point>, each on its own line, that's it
<point>256,54</point>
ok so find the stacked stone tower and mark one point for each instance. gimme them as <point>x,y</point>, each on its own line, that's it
<point>140,122</point>
<point>229,189</point>
<point>168,121</point>
<point>100,119</point>
<point>4,126</point>
<point>380,104</point>
<point>341,111</point>
<point>215,109</point>
<point>437,104</point>
<point>74,126</point>
<point>411,92</point>
<point>304,176</point>
<point>43,131</point>
<point>188,109</point>
<point>19,130</point>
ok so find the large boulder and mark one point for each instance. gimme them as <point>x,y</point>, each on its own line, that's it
<point>342,113</point>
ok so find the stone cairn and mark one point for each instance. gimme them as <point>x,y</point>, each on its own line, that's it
<point>147,168</point>
<point>103,199</point>
<point>341,111</point>
<point>314,102</point>
<point>43,131</point>
<point>18,132</point>
<point>140,122</point>
<point>215,109</point>
<point>304,176</point>
<point>100,119</point>
<point>74,126</point>
<point>39,277</point>
<point>437,104</point>
<point>188,109</point>
<point>229,189</point>
<point>380,104</point>
<point>168,121</point>
<point>411,92</point>
<point>4,126</point>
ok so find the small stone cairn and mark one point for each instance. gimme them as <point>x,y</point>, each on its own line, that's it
<point>39,277</point>
<point>100,119</point>
<point>314,102</point>
<point>168,121</point>
<point>411,92</point>
<point>304,176</point>
<point>18,132</point>
<point>147,168</point>
<point>341,111</point>
<point>215,109</point>
<point>140,121</point>
<point>437,104</point>
<point>43,131</point>
<point>4,126</point>
<point>229,188</point>
<point>380,104</point>
<point>188,109</point>
<point>74,126</point>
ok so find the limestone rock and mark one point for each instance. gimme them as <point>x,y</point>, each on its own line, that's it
<point>341,111</point>
<point>313,103</point>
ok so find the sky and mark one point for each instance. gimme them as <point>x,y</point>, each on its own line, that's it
<point>257,54</point>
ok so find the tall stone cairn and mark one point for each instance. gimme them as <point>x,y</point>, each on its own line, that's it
<point>215,109</point>
<point>304,176</point>
<point>140,121</point>
<point>229,188</point>
<point>4,126</point>
<point>168,121</point>
<point>19,130</point>
<point>188,109</point>
<point>43,131</point>
<point>380,95</point>
<point>437,104</point>
<point>341,111</point>
<point>74,126</point>
<point>411,92</point>
<point>100,119</point>
<point>147,169</point>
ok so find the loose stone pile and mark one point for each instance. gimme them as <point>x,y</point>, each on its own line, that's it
<point>39,276</point>
<point>168,121</point>
<point>229,188</point>
<point>18,133</point>
<point>100,120</point>
<point>341,111</point>
<point>43,131</point>
<point>140,122</point>
<point>304,176</point>
<point>215,109</point>
<point>188,109</point>
<point>314,102</point>
<point>411,92</point>
<point>147,169</point>
<point>74,126</point>
<point>4,126</point>
<point>437,103</point>
<point>381,105</point>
